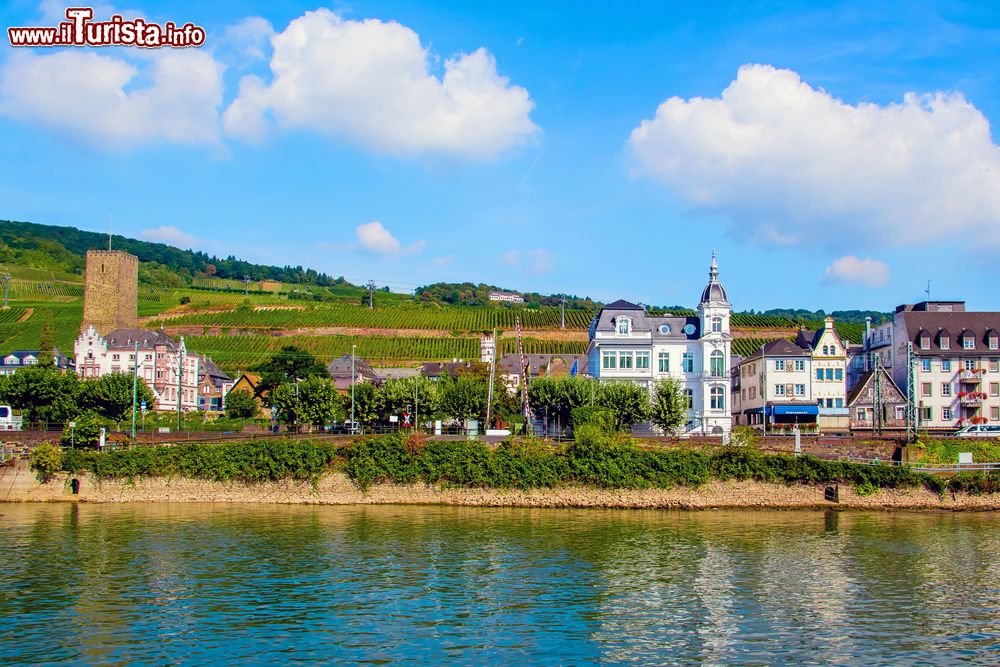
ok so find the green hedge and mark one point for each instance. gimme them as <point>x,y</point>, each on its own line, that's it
<point>604,461</point>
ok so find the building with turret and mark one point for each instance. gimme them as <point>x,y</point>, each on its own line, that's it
<point>629,345</point>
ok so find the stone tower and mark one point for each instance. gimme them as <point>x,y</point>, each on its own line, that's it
<point>109,291</point>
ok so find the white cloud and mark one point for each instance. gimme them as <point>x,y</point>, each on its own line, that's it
<point>376,239</point>
<point>370,82</point>
<point>789,164</point>
<point>537,260</point>
<point>851,269</point>
<point>250,38</point>
<point>94,98</point>
<point>170,235</point>
<point>511,258</point>
<point>540,261</point>
<point>443,261</point>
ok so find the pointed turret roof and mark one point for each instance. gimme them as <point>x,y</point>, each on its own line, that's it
<point>714,291</point>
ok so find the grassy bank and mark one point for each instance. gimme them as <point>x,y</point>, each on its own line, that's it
<point>595,460</point>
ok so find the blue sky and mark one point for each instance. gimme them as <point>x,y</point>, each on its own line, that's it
<point>851,157</point>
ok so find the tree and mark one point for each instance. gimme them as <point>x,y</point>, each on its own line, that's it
<point>367,403</point>
<point>42,393</point>
<point>241,405</point>
<point>86,433</point>
<point>464,398</point>
<point>670,406</point>
<point>627,401</point>
<point>290,363</point>
<point>559,395</point>
<point>110,396</point>
<point>396,396</point>
<point>319,402</point>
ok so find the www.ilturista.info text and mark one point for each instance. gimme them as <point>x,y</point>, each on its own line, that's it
<point>81,30</point>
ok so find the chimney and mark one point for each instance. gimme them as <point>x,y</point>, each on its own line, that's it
<point>868,330</point>
<point>828,323</point>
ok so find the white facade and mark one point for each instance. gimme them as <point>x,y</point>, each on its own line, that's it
<point>956,369</point>
<point>165,366</point>
<point>628,345</point>
<point>508,297</point>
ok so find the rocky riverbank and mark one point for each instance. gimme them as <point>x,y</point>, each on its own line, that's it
<point>19,484</point>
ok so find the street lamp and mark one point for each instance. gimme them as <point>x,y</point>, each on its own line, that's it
<point>763,388</point>
<point>352,389</point>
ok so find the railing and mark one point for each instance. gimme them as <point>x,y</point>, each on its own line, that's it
<point>972,377</point>
<point>970,400</point>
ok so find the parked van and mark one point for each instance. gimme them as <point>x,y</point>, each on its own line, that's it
<point>8,420</point>
<point>979,431</point>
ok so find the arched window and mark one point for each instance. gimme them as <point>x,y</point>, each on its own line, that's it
<point>718,364</point>
<point>826,350</point>
<point>718,398</point>
<point>716,325</point>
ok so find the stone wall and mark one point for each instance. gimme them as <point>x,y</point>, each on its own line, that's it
<point>110,291</point>
<point>18,483</point>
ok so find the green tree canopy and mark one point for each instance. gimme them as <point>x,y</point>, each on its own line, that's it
<point>670,408</point>
<point>110,396</point>
<point>629,402</point>
<point>289,364</point>
<point>42,393</point>
<point>463,397</point>
<point>241,405</point>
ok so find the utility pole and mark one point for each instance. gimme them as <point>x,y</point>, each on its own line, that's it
<point>877,399</point>
<point>371,294</point>
<point>763,388</point>
<point>928,290</point>
<point>135,384</point>
<point>562,316</point>
<point>180,377</point>
<point>352,388</point>
<point>911,398</point>
<point>5,278</point>
<point>489,392</point>
<point>416,402</point>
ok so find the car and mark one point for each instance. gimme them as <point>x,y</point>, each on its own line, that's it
<point>979,431</point>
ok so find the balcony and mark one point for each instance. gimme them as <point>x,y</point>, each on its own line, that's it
<point>972,399</point>
<point>970,377</point>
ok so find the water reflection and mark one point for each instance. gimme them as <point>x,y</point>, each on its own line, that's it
<point>224,584</point>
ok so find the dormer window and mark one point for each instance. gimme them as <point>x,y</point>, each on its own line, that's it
<point>925,342</point>
<point>968,342</point>
<point>994,343</point>
<point>945,343</point>
<point>624,324</point>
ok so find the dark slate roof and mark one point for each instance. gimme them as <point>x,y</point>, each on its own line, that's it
<point>642,323</point>
<point>979,324</point>
<point>510,364</point>
<point>208,367</point>
<point>863,382</point>
<point>441,368</point>
<point>622,304</point>
<point>341,368</point>
<point>780,348</point>
<point>126,338</point>
<point>714,291</point>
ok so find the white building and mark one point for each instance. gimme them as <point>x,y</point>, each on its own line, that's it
<point>801,382</point>
<point>628,345</point>
<point>956,370</point>
<point>164,365</point>
<point>507,297</point>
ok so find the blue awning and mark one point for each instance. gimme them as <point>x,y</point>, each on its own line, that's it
<point>793,409</point>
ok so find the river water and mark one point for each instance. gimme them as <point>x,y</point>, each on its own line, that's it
<point>250,585</point>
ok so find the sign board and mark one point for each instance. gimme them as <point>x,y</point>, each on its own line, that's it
<point>393,419</point>
<point>964,457</point>
<point>72,424</point>
<point>142,406</point>
<point>102,439</point>
<point>163,429</point>
<point>406,419</point>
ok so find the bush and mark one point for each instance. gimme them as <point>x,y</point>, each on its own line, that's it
<point>46,461</point>
<point>241,405</point>
<point>86,433</point>
<point>603,418</point>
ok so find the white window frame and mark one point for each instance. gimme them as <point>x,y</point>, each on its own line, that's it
<point>687,362</point>
<point>663,362</point>
<point>609,355</point>
<point>642,360</point>
<point>623,356</point>
<point>716,325</point>
<point>946,389</point>
<point>968,343</point>
<point>946,414</point>
<point>623,323</point>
